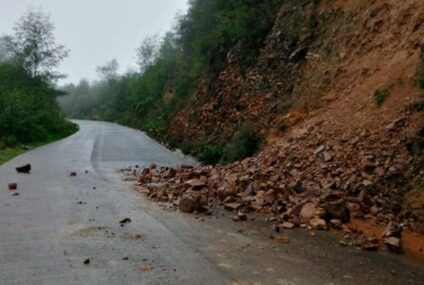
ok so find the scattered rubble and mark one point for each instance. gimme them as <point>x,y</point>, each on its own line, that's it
<point>312,180</point>
<point>24,169</point>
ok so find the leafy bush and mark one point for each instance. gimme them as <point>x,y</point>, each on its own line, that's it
<point>380,96</point>
<point>29,112</point>
<point>245,143</point>
<point>210,154</point>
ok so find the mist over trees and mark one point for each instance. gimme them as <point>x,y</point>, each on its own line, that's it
<point>170,68</point>
<point>29,111</point>
<point>34,44</point>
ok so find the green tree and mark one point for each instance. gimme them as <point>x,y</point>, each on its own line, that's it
<point>109,70</point>
<point>147,53</point>
<point>34,44</point>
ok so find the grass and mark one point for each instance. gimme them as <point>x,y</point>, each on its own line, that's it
<point>7,153</point>
<point>380,96</point>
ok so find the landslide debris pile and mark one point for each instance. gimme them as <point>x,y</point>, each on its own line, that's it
<point>310,179</point>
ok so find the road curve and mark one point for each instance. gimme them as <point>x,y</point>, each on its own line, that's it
<point>57,222</point>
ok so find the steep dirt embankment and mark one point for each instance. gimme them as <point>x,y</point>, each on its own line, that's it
<point>334,89</point>
<point>331,56</point>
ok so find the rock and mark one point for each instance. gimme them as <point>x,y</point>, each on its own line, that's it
<point>299,54</point>
<point>225,191</point>
<point>318,224</point>
<point>336,224</point>
<point>87,261</point>
<point>327,156</point>
<point>196,184</point>
<point>271,219</point>
<point>240,217</point>
<point>125,221</point>
<point>187,204</point>
<point>308,211</point>
<point>15,194</point>
<point>370,243</point>
<point>170,173</point>
<point>232,206</point>
<point>393,230</point>
<point>24,169</point>
<point>337,210</point>
<point>287,225</point>
<point>279,207</point>
<point>396,124</point>
<point>393,244</point>
<point>13,186</point>
<point>298,186</point>
<point>73,174</point>
<point>153,166</point>
<point>282,239</point>
<point>368,166</point>
<point>193,203</point>
<point>320,149</point>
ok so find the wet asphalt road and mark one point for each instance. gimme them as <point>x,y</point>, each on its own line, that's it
<point>59,221</point>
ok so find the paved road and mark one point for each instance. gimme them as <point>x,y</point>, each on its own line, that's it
<point>58,221</point>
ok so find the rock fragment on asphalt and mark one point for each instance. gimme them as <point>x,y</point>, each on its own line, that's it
<point>13,186</point>
<point>125,221</point>
<point>24,169</point>
<point>282,239</point>
<point>393,244</point>
<point>370,243</point>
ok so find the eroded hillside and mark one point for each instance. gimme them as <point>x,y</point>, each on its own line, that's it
<point>319,58</point>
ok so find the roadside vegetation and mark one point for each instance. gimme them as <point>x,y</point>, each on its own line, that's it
<point>29,113</point>
<point>170,69</point>
<point>380,96</point>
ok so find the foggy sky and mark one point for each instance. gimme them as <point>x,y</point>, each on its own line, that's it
<point>97,31</point>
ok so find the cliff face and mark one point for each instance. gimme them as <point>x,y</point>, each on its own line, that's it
<point>323,60</point>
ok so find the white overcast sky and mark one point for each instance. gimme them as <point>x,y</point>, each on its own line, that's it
<point>97,31</point>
